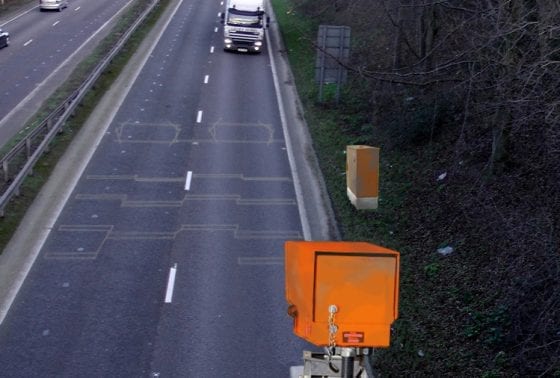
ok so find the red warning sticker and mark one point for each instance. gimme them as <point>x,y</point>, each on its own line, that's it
<point>353,337</point>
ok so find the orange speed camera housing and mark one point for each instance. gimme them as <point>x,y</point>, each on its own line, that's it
<point>360,279</point>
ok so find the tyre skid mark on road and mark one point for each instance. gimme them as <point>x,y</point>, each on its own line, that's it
<point>219,132</point>
<point>237,233</point>
<point>260,261</point>
<point>153,179</point>
<point>237,199</point>
<point>88,248</point>
<point>79,245</point>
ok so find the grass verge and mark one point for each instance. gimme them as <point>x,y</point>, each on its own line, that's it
<point>11,6</point>
<point>446,325</point>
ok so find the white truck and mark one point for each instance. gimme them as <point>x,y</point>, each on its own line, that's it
<point>244,23</point>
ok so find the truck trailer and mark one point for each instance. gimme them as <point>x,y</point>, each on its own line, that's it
<point>244,24</point>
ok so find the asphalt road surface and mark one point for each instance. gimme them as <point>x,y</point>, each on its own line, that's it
<point>157,247</point>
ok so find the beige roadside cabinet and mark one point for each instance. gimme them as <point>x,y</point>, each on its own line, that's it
<point>362,176</point>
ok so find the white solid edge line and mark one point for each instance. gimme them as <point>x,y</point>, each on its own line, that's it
<point>297,183</point>
<point>7,304</point>
<point>170,284</point>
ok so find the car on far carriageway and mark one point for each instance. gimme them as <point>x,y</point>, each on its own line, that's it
<point>4,38</point>
<point>52,5</point>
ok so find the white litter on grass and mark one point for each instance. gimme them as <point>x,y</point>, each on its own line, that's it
<point>442,176</point>
<point>445,250</point>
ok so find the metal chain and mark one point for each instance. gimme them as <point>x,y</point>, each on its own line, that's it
<point>333,328</point>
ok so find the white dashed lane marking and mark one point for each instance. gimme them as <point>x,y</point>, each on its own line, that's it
<point>170,284</point>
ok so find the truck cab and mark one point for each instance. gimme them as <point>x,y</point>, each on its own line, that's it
<point>244,23</point>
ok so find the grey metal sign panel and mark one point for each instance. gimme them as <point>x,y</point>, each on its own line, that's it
<point>333,48</point>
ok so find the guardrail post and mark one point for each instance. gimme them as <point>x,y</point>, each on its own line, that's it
<point>28,148</point>
<point>5,168</point>
<point>28,152</point>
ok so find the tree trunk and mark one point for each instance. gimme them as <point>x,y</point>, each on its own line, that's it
<point>397,57</point>
<point>429,29</point>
